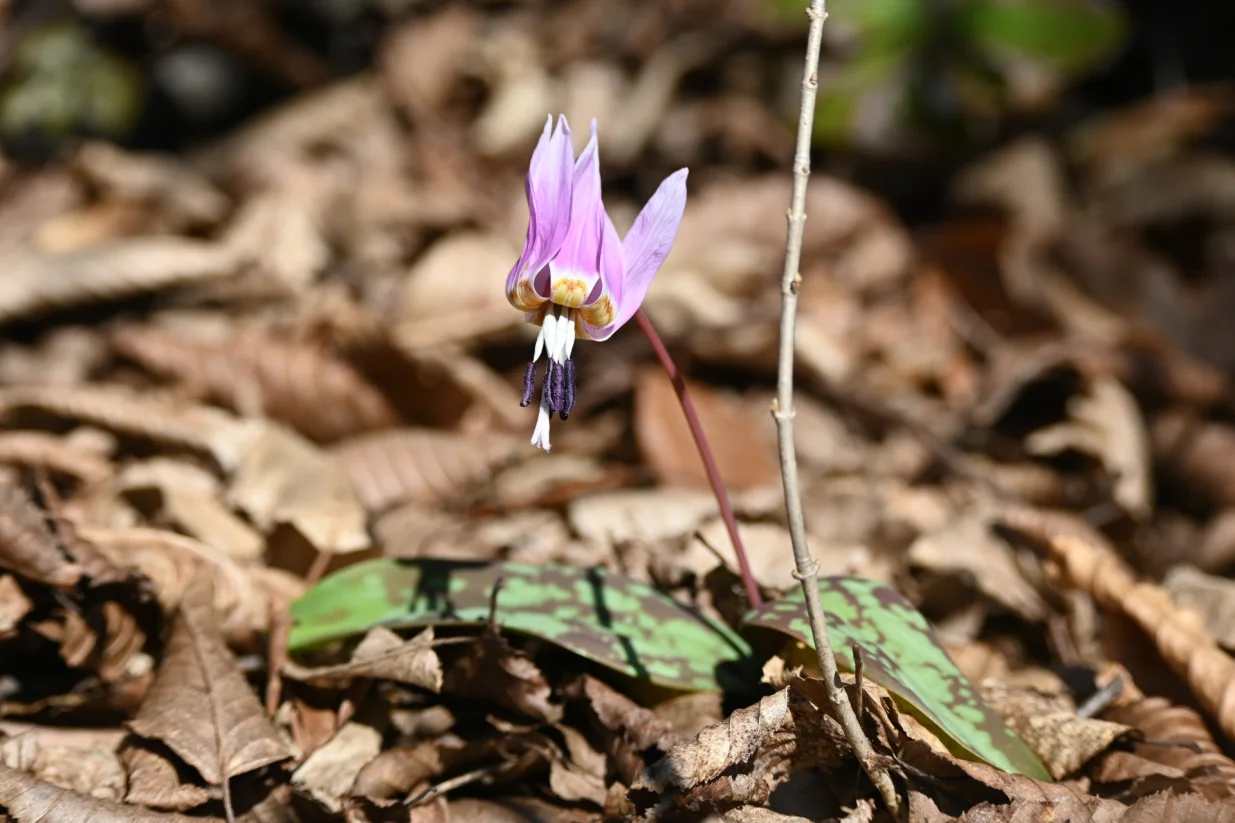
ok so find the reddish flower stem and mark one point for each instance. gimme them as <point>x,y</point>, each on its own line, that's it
<point>705,452</point>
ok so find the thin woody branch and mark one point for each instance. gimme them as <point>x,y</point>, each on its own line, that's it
<point>783,412</point>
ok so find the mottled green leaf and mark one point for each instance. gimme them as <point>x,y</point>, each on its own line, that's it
<point>901,652</point>
<point>604,617</point>
<point>1069,36</point>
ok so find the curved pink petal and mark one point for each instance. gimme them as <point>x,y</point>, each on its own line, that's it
<point>646,246</point>
<point>600,312</point>
<point>549,193</point>
<point>575,271</point>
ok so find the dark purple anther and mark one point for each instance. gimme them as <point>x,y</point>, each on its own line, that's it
<point>555,384</point>
<point>529,384</point>
<point>568,395</point>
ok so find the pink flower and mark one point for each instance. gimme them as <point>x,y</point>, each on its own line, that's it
<point>575,278</point>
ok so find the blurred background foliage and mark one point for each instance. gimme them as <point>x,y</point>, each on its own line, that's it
<point>925,82</point>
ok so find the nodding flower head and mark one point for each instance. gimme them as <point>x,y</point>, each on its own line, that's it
<point>575,277</point>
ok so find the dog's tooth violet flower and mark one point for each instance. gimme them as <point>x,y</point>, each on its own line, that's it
<point>575,278</point>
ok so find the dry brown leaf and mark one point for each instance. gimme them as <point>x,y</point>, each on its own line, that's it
<point>1068,807</point>
<point>762,814</point>
<point>1210,596</point>
<point>154,781</point>
<point>630,729</point>
<point>56,454</point>
<point>171,188</point>
<point>422,465</point>
<point>91,770</point>
<point>1178,633</point>
<point>448,296</point>
<point>640,515</point>
<point>1051,727</point>
<point>393,772</point>
<point>187,496</point>
<point>1194,763</point>
<point>285,479</point>
<point>301,384</point>
<point>329,772</point>
<point>512,810</point>
<point>769,730</point>
<point>106,638</point>
<point>160,419</point>
<point>492,670</point>
<point>1200,453</point>
<point>14,605</point>
<point>28,545</point>
<point>382,655</point>
<point>200,704</point>
<point>1194,808</point>
<point>244,597</point>
<point>966,547</point>
<point>579,775</point>
<point>740,440</point>
<point>37,283</point>
<point>1106,423</point>
<point>29,800</point>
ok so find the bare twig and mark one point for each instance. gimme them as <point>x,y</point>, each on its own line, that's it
<point>705,452</point>
<point>783,412</point>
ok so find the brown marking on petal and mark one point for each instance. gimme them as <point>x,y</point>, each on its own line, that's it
<point>599,314</point>
<point>569,292</point>
<point>523,297</point>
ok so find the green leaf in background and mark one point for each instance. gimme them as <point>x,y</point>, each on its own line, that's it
<point>62,83</point>
<point>896,70</point>
<point>1070,36</point>
<point>604,617</point>
<point>901,652</point>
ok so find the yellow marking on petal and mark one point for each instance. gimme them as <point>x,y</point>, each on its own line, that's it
<point>569,292</point>
<point>599,314</point>
<point>523,297</point>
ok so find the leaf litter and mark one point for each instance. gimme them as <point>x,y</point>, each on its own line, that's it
<point>281,363</point>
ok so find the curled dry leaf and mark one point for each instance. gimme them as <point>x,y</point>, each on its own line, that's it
<point>766,729</point>
<point>1178,633</point>
<point>285,479</point>
<point>577,773</point>
<point>29,547</point>
<point>37,283</point>
<point>384,655</point>
<point>492,670</point>
<point>1106,423</point>
<point>629,729</point>
<point>422,465</point>
<point>1049,724</point>
<point>1176,751</point>
<point>301,384</point>
<point>200,704</point>
<point>154,780</point>
<point>329,772</point>
<point>27,799</point>
<point>244,596</point>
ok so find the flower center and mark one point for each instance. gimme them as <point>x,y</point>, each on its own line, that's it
<point>557,392</point>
